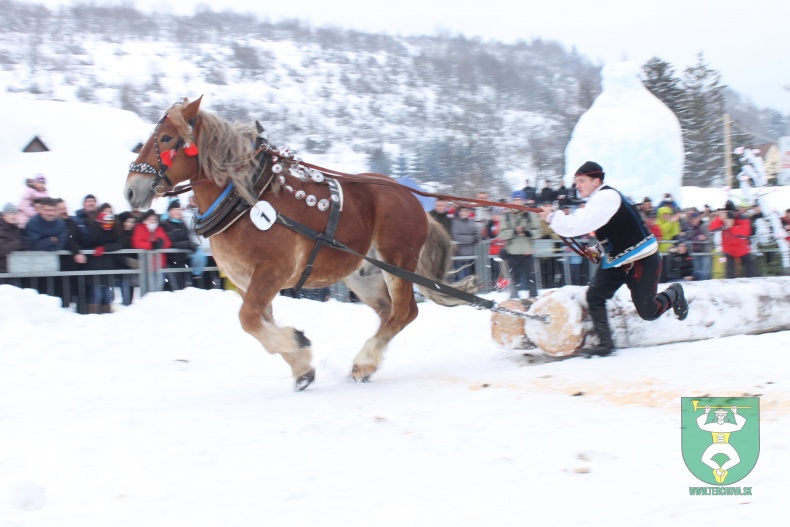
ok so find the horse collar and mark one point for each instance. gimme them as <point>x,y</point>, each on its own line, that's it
<point>229,206</point>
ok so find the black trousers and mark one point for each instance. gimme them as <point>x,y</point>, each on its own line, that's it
<point>748,266</point>
<point>642,280</point>
<point>522,274</point>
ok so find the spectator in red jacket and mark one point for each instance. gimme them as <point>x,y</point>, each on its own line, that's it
<point>735,232</point>
<point>491,232</point>
<point>650,221</point>
<point>786,224</point>
<point>149,235</point>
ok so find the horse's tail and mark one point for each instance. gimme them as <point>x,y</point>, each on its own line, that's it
<point>435,262</point>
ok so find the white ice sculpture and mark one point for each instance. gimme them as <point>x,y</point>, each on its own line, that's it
<point>635,137</point>
<point>754,187</point>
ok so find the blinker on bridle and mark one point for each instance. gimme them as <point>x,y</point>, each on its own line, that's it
<point>165,160</point>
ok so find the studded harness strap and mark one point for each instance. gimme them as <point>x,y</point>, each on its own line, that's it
<point>328,237</point>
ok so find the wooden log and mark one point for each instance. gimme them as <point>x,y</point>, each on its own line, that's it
<point>717,308</point>
<point>507,330</point>
<point>564,332</point>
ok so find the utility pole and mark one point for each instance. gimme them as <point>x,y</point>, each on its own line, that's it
<point>727,151</point>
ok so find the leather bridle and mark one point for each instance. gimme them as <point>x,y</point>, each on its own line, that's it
<point>160,174</point>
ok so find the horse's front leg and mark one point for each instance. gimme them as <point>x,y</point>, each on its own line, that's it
<point>256,316</point>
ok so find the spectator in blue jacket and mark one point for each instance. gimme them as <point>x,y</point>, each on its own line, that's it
<point>45,231</point>
<point>83,216</point>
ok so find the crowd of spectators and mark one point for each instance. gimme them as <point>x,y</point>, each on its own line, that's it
<point>93,236</point>
<point>690,239</point>
<point>693,241</point>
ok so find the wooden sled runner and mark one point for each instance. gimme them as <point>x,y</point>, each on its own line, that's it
<point>718,308</point>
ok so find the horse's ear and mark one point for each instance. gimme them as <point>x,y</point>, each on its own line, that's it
<point>191,109</point>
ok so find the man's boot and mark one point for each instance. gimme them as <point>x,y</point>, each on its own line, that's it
<point>93,309</point>
<point>601,324</point>
<point>677,299</point>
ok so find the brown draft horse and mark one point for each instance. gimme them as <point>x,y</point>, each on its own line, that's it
<point>384,221</point>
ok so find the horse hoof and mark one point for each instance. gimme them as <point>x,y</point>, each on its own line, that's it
<point>362,373</point>
<point>303,381</point>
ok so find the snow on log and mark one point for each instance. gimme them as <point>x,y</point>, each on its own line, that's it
<point>717,308</point>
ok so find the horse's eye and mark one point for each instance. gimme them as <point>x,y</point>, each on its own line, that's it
<point>166,138</point>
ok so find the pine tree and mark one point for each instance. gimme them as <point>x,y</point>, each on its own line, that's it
<point>777,124</point>
<point>404,166</point>
<point>660,79</point>
<point>700,116</point>
<point>379,162</point>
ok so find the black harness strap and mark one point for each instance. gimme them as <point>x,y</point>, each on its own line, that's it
<point>326,238</point>
<point>473,300</point>
<point>233,206</point>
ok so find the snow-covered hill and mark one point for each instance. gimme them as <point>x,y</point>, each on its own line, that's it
<point>453,110</point>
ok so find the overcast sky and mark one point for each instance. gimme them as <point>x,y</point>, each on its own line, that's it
<point>744,41</point>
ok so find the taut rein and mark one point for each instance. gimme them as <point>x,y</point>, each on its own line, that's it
<point>574,245</point>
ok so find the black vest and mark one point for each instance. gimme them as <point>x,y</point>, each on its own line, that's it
<point>625,234</point>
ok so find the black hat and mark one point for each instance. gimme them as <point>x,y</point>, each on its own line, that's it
<point>124,216</point>
<point>592,169</point>
<point>175,204</point>
<point>147,214</point>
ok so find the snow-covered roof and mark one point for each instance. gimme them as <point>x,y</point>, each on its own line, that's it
<point>90,148</point>
<point>67,126</point>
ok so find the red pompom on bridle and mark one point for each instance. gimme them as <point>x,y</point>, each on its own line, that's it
<point>167,157</point>
<point>190,149</point>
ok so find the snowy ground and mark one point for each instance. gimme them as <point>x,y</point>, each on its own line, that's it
<point>167,414</point>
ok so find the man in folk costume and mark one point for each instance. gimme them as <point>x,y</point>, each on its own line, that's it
<point>628,250</point>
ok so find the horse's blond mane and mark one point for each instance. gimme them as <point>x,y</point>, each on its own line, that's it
<point>226,149</point>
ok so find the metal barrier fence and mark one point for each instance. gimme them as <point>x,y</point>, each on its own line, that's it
<point>55,274</point>
<point>554,264</point>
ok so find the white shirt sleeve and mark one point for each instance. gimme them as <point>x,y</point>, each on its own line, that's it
<point>599,209</point>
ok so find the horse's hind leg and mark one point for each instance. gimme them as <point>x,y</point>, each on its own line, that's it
<point>256,316</point>
<point>402,310</point>
<point>369,286</point>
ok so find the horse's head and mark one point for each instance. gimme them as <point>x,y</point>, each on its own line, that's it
<point>169,157</point>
